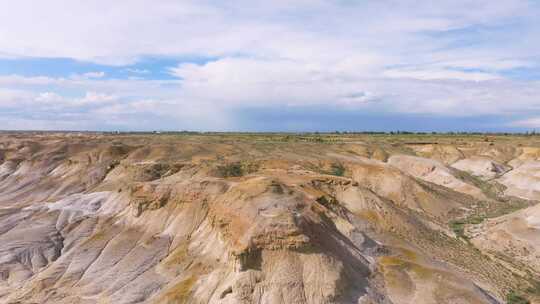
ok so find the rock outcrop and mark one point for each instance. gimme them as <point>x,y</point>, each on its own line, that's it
<point>151,219</point>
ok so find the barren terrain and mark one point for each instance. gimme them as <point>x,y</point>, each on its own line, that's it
<point>269,218</point>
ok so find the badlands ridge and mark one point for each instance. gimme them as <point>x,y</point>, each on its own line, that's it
<point>276,218</point>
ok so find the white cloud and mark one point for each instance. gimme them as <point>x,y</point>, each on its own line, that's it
<point>13,97</point>
<point>206,100</point>
<point>49,98</point>
<point>94,74</point>
<point>138,71</point>
<point>533,122</point>
<point>426,74</point>
<point>96,98</point>
<point>63,102</point>
<point>133,28</point>
<point>105,104</point>
<point>15,80</point>
<point>444,58</point>
<point>238,82</point>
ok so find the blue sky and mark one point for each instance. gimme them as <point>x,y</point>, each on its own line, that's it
<point>270,65</point>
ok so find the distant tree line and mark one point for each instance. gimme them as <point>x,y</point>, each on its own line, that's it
<point>317,133</point>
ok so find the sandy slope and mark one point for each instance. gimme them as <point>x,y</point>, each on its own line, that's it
<point>434,172</point>
<point>524,180</point>
<point>100,219</point>
<point>481,166</point>
<point>516,235</point>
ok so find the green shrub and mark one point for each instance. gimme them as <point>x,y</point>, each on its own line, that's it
<point>514,298</point>
<point>231,170</point>
<point>236,169</point>
<point>475,220</point>
<point>534,288</point>
<point>459,228</point>
<point>337,169</point>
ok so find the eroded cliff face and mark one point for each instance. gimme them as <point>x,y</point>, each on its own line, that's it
<point>211,219</point>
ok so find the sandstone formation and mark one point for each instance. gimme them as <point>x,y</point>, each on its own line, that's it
<point>98,218</point>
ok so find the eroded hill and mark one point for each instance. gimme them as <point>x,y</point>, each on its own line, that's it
<point>92,218</point>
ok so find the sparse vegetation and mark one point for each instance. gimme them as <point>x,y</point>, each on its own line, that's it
<point>231,170</point>
<point>337,169</point>
<point>271,197</point>
<point>181,291</point>
<point>236,169</point>
<point>491,189</point>
<point>513,298</point>
<point>534,288</point>
<point>458,226</point>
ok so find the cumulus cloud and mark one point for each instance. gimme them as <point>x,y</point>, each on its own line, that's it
<point>452,58</point>
<point>49,98</point>
<point>105,104</point>
<point>94,74</point>
<point>13,97</point>
<point>275,29</point>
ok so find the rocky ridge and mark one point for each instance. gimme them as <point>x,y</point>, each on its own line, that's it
<point>95,218</point>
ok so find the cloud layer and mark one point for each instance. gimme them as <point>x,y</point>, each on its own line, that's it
<point>449,59</point>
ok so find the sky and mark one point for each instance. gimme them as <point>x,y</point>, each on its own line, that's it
<point>296,65</point>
